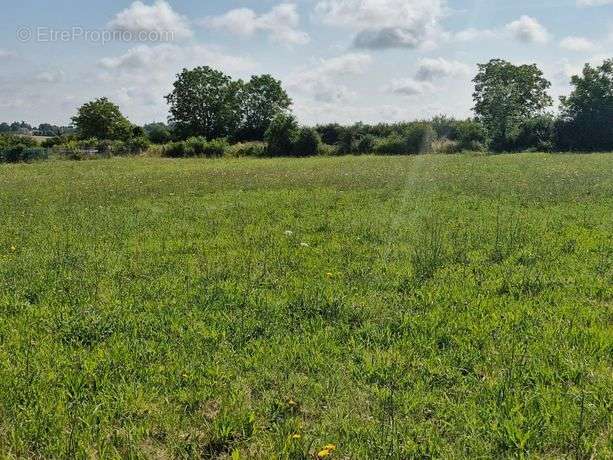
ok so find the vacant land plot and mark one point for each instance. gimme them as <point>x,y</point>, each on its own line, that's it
<point>396,307</point>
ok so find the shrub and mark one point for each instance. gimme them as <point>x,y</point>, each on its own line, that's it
<point>471,135</point>
<point>138,145</point>
<point>247,149</point>
<point>10,140</point>
<point>330,133</point>
<point>281,135</point>
<point>196,145</point>
<point>445,147</point>
<point>307,143</point>
<point>180,149</point>
<point>328,150</point>
<point>365,144</point>
<point>536,133</point>
<point>391,145</point>
<point>418,138</point>
<point>22,153</point>
<point>346,142</point>
<point>215,148</point>
<point>445,127</point>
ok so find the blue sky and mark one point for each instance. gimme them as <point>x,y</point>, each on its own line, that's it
<point>340,60</point>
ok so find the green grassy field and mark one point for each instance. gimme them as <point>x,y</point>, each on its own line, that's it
<point>396,307</point>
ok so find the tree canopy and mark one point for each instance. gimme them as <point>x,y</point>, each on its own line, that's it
<point>102,119</point>
<point>506,96</point>
<point>587,114</point>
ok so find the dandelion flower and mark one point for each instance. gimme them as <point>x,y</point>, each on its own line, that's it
<point>296,436</point>
<point>330,447</point>
<point>323,453</point>
<point>329,274</point>
<point>13,248</point>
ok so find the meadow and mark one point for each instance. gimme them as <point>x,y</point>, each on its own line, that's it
<point>343,307</point>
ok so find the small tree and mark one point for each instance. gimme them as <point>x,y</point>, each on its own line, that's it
<point>281,135</point>
<point>205,102</point>
<point>263,98</point>
<point>103,120</point>
<point>505,96</point>
<point>307,143</point>
<point>587,114</point>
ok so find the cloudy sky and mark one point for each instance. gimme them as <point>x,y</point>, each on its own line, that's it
<point>340,60</point>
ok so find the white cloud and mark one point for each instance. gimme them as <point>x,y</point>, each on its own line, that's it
<point>52,76</point>
<point>166,57</point>
<point>324,81</point>
<point>594,2</point>
<point>431,69</point>
<point>383,24</point>
<point>141,77</point>
<point>282,23</point>
<point>472,34</point>
<point>528,30</point>
<point>158,20</point>
<point>409,87</point>
<point>579,44</point>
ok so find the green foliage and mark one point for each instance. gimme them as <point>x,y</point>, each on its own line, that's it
<point>247,149</point>
<point>195,147</point>
<point>505,97</point>
<point>103,120</point>
<point>15,149</point>
<point>392,145</point>
<point>366,144</point>
<point>470,135</point>
<point>536,134</point>
<point>281,135</point>
<point>330,133</point>
<point>263,98</point>
<point>397,307</point>
<point>205,102</point>
<point>307,143</point>
<point>587,114</point>
<point>138,145</point>
<point>158,133</point>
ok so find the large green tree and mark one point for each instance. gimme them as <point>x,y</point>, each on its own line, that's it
<point>263,98</point>
<point>587,114</point>
<point>205,102</point>
<point>506,96</point>
<point>103,120</point>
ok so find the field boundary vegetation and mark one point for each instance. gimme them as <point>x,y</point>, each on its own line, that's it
<point>212,115</point>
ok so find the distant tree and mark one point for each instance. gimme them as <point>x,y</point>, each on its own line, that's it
<point>158,133</point>
<point>5,128</point>
<point>263,98</point>
<point>103,120</point>
<point>205,102</point>
<point>506,96</point>
<point>281,135</point>
<point>587,114</point>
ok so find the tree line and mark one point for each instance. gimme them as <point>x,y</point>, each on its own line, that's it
<point>211,114</point>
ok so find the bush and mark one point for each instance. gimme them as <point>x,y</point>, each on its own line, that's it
<point>347,142</point>
<point>21,153</point>
<point>247,149</point>
<point>365,144</point>
<point>391,145</point>
<point>215,148</point>
<point>328,150</point>
<point>180,149</point>
<point>330,134</point>
<point>138,145</point>
<point>10,140</point>
<point>418,138</point>
<point>470,135</point>
<point>445,147</point>
<point>281,135</point>
<point>537,134</point>
<point>307,143</point>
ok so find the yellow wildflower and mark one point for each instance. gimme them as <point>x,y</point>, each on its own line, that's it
<point>330,447</point>
<point>13,248</point>
<point>323,453</point>
<point>296,436</point>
